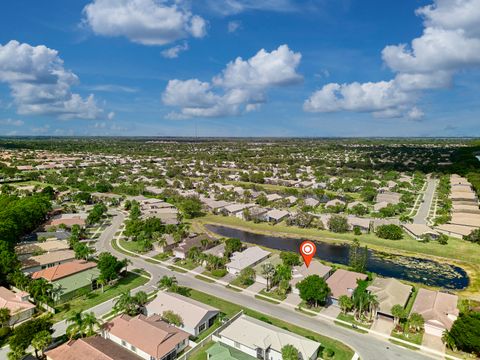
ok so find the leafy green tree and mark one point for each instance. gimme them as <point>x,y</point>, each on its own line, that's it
<point>290,352</point>
<point>443,239</point>
<point>474,236</point>
<point>247,276</point>
<point>338,224</point>
<point>172,318</point>
<point>314,290</point>
<point>465,332</point>
<point>290,258</point>
<point>232,245</point>
<point>399,313</point>
<point>40,342</point>
<point>109,266</point>
<point>390,232</point>
<point>24,333</point>
<point>358,256</point>
<point>346,303</point>
<point>82,251</point>
<point>191,207</point>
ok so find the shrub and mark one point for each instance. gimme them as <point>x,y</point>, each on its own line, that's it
<point>390,232</point>
<point>328,353</point>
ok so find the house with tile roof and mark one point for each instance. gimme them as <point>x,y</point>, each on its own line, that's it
<point>439,310</point>
<point>94,348</point>
<point>148,337</point>
<point>389,292</point>
<point>18,305</point>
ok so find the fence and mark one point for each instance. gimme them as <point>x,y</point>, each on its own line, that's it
<point>213,336</point>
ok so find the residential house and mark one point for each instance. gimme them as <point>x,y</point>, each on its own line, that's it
<point>43,261</point>
<point>274,197</point>
<point>17,302</point>
<point>274,260</point>
<point>196,316</point>
<point>148,337</point>
<point>311,202</point>
<point>343,282</point>
<point>276,215</point>
<point>247,258</point>
<point>181,251</point>
<point>439,310</point>
<point>168,245</point>
<point>264,341</point>
<point>418,231</point>
<point>301,272</point>
<point>25,250</point>
<point>93,348</point>
<point>71,278</point>
<point>389,292</point>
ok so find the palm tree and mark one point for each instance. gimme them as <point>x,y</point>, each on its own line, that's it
<point>125,303</point>
<point>268,271</point>
<point>40,341</point>
<point>345,303</point>
<point>372,305</point>
<point>448,340</point>
<point>126,262</point>
<point>416,321</point>
<point>102,281</point>
<point>168,282</point>
<point>90,322</point>
<point>141,299</point>
<point>75,329</point>
<point>398,313</point>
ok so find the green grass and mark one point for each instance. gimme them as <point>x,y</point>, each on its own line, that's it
<point>304,305</point>
<point>209,273</point>
<point>202,355</point>
<point>115,246</point>
<point>177,269</point>
<point>350,319</point>
<point>237,282</point>
<point>233,288</point>
<point>162,256</point>
<point>96,297</point>
<point>271,301</point>
<point>415,338</point>
<point>133,246</point>
<point>342,352</point>
<point>273,294</point>
<point>203,278</point>
<point>187,264</point>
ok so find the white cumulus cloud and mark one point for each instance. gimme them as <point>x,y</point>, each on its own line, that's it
<point>40,85</point>
<point>174,51</point>
<point>240,87</point>
<point>450,43</point>
<point>147,22</point>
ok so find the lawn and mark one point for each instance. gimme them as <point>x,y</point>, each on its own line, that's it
<point>202,355</point>
<point>186,264</point>
<point>342,352</point>
<point>237,282</point>
<point>203,278</point>
<point>415,338</point>
<point>96,297</point>
<point>350,319</point>
<point>133,246</point>
<point>273,294</point>
<point>115,246</point>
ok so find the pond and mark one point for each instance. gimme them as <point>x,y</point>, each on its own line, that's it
<point>413,269</point>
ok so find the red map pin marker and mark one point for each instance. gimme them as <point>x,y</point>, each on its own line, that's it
<point>307,249</point>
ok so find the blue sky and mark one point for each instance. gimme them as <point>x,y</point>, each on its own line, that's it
<point>159,67</point>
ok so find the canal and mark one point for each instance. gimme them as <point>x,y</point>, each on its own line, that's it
<point>413,269</point>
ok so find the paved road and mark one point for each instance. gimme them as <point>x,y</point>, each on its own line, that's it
<point>368,347</point>
<point>422,213</point>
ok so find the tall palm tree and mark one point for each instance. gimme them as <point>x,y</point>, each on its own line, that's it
<point>75,329</point>
<point>268,271</point>
<point>167,282</point>
<point>40,341</point>
<point>90,322</point>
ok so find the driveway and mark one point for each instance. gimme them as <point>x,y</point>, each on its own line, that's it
<point>434,342</point>
<point>256,287</point>
<point>293,299</point>
<point>331,311</point>
<point>383,325</point>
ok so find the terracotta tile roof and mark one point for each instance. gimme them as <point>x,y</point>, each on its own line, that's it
<point>13,301</point>
<point>343,282</point>
<point>63,270</point>
<point>91,348</point>
<point>437,308</point>
<point>149,334</point>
